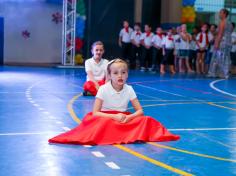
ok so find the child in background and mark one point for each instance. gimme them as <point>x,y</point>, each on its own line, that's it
<point>193,49</point>
<point>125,40</point>
<point>212,32</point>
<point>177,41</point>
<point>109,123</point>
<point>202,44</point>
<point>136,45</point>
<point>157,49</point>
<point>146,41</point>
<point>95,68</point>
<point>185,39</point>
<point>168,52</point>
<point>233,50</point>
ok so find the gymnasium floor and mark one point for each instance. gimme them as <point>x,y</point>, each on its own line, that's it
<point>38,103</point>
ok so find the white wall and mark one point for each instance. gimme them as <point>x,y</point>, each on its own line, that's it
<point>44,44</point>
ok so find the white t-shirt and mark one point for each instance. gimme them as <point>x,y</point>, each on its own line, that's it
<point>147,39</point>
<point>204,43</point>
<point>177,41</point>
<point>157,40</point>
<point>233,37</point>
<point>98,69</point>
<point>193,45</point>
<point>126,36</point>
<point>184,45</point>
<point>168,43</point>
<point>136,36</point>
<point>113,100</point>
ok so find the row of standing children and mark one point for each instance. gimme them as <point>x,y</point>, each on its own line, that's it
<point>180,50</point>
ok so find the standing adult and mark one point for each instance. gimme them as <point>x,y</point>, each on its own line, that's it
<point>220,62</point>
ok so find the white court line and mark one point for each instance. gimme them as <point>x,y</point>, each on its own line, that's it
<point>59,122</point>
<point>112,165</point>
<point>98,154</point>
<point>219,90</point>
<point>29,133</point>
<point>66,128</point>
<point>202,129</point>
<point>36,104</point>
<point>41,109</point>
<point>160,90</point>
<point>46,112</point>
<point>156,98</point>
<point>87,146</point>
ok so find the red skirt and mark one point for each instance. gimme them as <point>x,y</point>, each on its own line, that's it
<point>95,130</point>
<point>90,86</point>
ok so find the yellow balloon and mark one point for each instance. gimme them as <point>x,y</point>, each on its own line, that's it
<point>79,59</point>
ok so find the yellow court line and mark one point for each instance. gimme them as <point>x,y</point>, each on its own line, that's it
<point>155,162</point>
<point>220,106</point>
<point>191,153</point>
<point>139,155</point>
<point>71,110</point>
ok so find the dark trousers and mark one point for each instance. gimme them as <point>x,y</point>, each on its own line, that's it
<point>192,59</point>
<point>136,55</point>
<point>146,57</point>
<point>126,51</point>
<point>233,58</point>
<point>169,57</point>
<point>156,57</point>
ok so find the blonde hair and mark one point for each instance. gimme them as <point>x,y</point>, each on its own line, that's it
<point>97,43</point>
<point>117,60</point>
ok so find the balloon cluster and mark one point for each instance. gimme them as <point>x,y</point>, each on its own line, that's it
<point>80,26</point>
<point>188,11</point>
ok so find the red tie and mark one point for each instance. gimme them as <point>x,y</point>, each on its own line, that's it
<point>138,33</point>
<point>148,34</point>
<point>127,29</point>
<point>170,38</point>
<point>201,38</point>
<point>160,35</point>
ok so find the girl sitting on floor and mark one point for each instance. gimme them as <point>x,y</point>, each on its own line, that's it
<point>95,68</point>
<point>110,123</point>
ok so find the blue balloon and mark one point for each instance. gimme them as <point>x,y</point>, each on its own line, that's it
<point>80,26</point>
<point>188,2</point>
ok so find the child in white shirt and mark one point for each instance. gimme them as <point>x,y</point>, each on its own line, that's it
<point>146,41</point>
<point>136,45</point>
<point>168,52</point>
<point>157,48</point>
<point>95,68</point>
<point>109,123</point>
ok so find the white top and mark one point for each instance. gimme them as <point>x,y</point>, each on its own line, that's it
<point>184,45</point>
<point>157,40</point>
<point>126,36</point>
<point>113,100</point>
<point>203,44</point>
<point>147,39</point>
<point>136,37</point>
<point>98,69</point>
<point>233,37</point>
<point>168,44</point>
<point>193,45</point>
<point>177,41</point>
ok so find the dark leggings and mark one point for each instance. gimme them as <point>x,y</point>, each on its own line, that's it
<point>126,51</point>
<point>146,57</point>
<point>168,58</point>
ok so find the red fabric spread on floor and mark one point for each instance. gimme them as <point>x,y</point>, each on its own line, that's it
<point>95,130</point>
<point>90,86</point>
